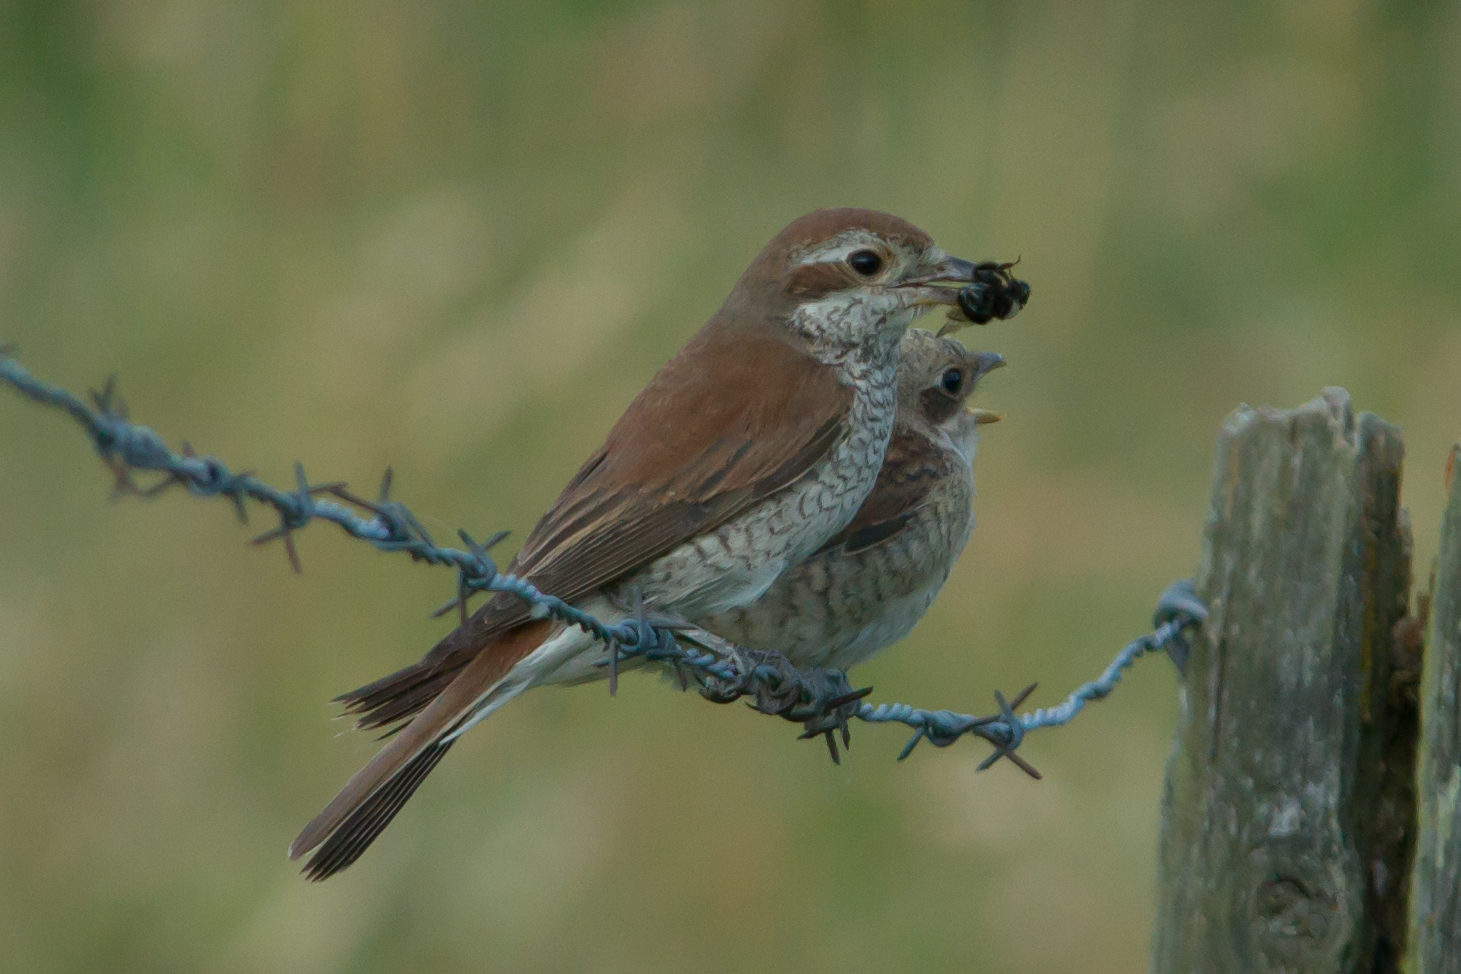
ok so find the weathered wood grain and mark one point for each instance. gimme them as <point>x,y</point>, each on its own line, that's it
<point>1285,830</point>
<point>1435,931</point>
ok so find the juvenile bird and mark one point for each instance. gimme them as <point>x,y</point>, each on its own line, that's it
<point>870,584</point>
<point>745,453</point>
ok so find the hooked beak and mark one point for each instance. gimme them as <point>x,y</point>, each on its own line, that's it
<point>977,293</point>
<point>986,362</point>
<point>939,282</point>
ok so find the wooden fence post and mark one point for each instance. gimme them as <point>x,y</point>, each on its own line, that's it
<point>1286,814</point>
<point>1435,899</point>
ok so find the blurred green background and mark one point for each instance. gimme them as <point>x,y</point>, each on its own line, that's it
<point>456,238</point>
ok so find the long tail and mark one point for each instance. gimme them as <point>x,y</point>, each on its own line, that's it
<point>365,806</point>
<point>355,834</point>
<point>401,695</point>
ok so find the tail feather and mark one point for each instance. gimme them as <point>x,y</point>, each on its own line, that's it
<point>368,802</point>
<point>388,687</point>
<point>402,694</point>
<point>369,820</point>
<point>409,693</point>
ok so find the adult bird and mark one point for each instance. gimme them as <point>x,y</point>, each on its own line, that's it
<point>749,449</point>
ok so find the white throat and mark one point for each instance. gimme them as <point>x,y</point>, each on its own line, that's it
<point>864,323</point>
<point>963,437</point>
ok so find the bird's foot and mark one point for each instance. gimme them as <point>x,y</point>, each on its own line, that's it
<point>822,701</point>
<point>770,679</point>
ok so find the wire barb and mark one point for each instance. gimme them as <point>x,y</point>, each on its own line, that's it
<point>821,701</point>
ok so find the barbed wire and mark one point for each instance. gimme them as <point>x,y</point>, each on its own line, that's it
<point>822,701</point>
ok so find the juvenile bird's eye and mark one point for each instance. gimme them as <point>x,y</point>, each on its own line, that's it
<point>952,382</point>
<point>865,262</point>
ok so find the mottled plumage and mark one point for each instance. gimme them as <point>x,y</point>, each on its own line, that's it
<point>868,586</point>
<point>755,444</point>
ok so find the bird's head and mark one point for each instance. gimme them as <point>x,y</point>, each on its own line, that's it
<point>851,277</point>
<point>936,377</point>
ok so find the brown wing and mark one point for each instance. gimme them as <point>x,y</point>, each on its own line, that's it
<point>740,413</point>
<point>911,469</point>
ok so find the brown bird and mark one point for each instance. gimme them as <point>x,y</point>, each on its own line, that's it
<point>871,583</point>
<point>749,449</point>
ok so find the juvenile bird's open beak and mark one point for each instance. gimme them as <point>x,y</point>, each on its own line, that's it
<point>984,363</point>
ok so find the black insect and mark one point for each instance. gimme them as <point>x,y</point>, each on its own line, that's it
<point>994,294</point>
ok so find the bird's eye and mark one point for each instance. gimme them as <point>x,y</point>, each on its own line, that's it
<point>865,262</point>
<point>952,382</point>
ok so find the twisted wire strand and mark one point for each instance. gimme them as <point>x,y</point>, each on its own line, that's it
<point>822,702</point>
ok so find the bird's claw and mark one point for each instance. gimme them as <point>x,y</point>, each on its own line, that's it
<point>767,677</point>
<point>822,701</point>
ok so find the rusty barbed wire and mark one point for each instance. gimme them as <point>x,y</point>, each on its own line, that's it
<point>823,702</point>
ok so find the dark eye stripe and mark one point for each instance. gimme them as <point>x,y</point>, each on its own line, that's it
<point>813,281</point>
